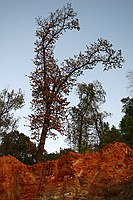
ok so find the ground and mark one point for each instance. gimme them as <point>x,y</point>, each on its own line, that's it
<point>104,175</point>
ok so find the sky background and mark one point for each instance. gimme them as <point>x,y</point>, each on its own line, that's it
<point>110,19</point>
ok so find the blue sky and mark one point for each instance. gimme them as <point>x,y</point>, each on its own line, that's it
<point>110,19</point>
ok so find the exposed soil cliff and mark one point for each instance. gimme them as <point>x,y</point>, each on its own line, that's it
<point>105,175</point>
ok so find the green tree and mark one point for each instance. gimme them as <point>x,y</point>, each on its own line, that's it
<point>125,131</point>
<point>110,135</point>
<point>18,145</point>
<point>50,82</point>
<point>126,124</point>
<point>85,125</point>
<point>10,101</point>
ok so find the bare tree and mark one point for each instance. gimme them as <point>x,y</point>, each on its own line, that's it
<point>130,80</point>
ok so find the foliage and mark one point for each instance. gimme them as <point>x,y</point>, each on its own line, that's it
<point>56,155</point>
<point>125,131</point>
<point>127,106</point>
<point>85,125</point>
<point>10,101</point>
<point>50,82</point>
<point>110,135</point>
<point>126,124</point>
<point>18,145</point>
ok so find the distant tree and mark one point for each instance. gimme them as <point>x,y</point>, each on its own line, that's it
<point>10,101</point>
<point>127,107</point>
<point>18,145</point>
<point>50,82</point>
<point>126,124</point>
<point>130,80</point>
<point>85,125</point>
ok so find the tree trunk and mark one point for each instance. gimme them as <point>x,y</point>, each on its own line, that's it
<point>80,135</point>
<point>99,127</point>
<point>40,148</point>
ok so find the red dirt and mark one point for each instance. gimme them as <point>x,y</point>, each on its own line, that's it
<point>106,174</point>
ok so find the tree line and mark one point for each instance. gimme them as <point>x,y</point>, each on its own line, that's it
<point>86,126</point>
<point>51,84</point>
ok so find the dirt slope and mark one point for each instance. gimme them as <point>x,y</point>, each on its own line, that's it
<point>104,175</point>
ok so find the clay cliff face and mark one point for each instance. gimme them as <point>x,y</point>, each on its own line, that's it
<point>105,175</point>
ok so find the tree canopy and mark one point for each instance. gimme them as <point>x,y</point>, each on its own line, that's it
<point>18,145</point>
<point>86,121</point>
<point>126,124</point>
<point>10,101</point>
<point>125,131</point>
<point>52,83</point>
